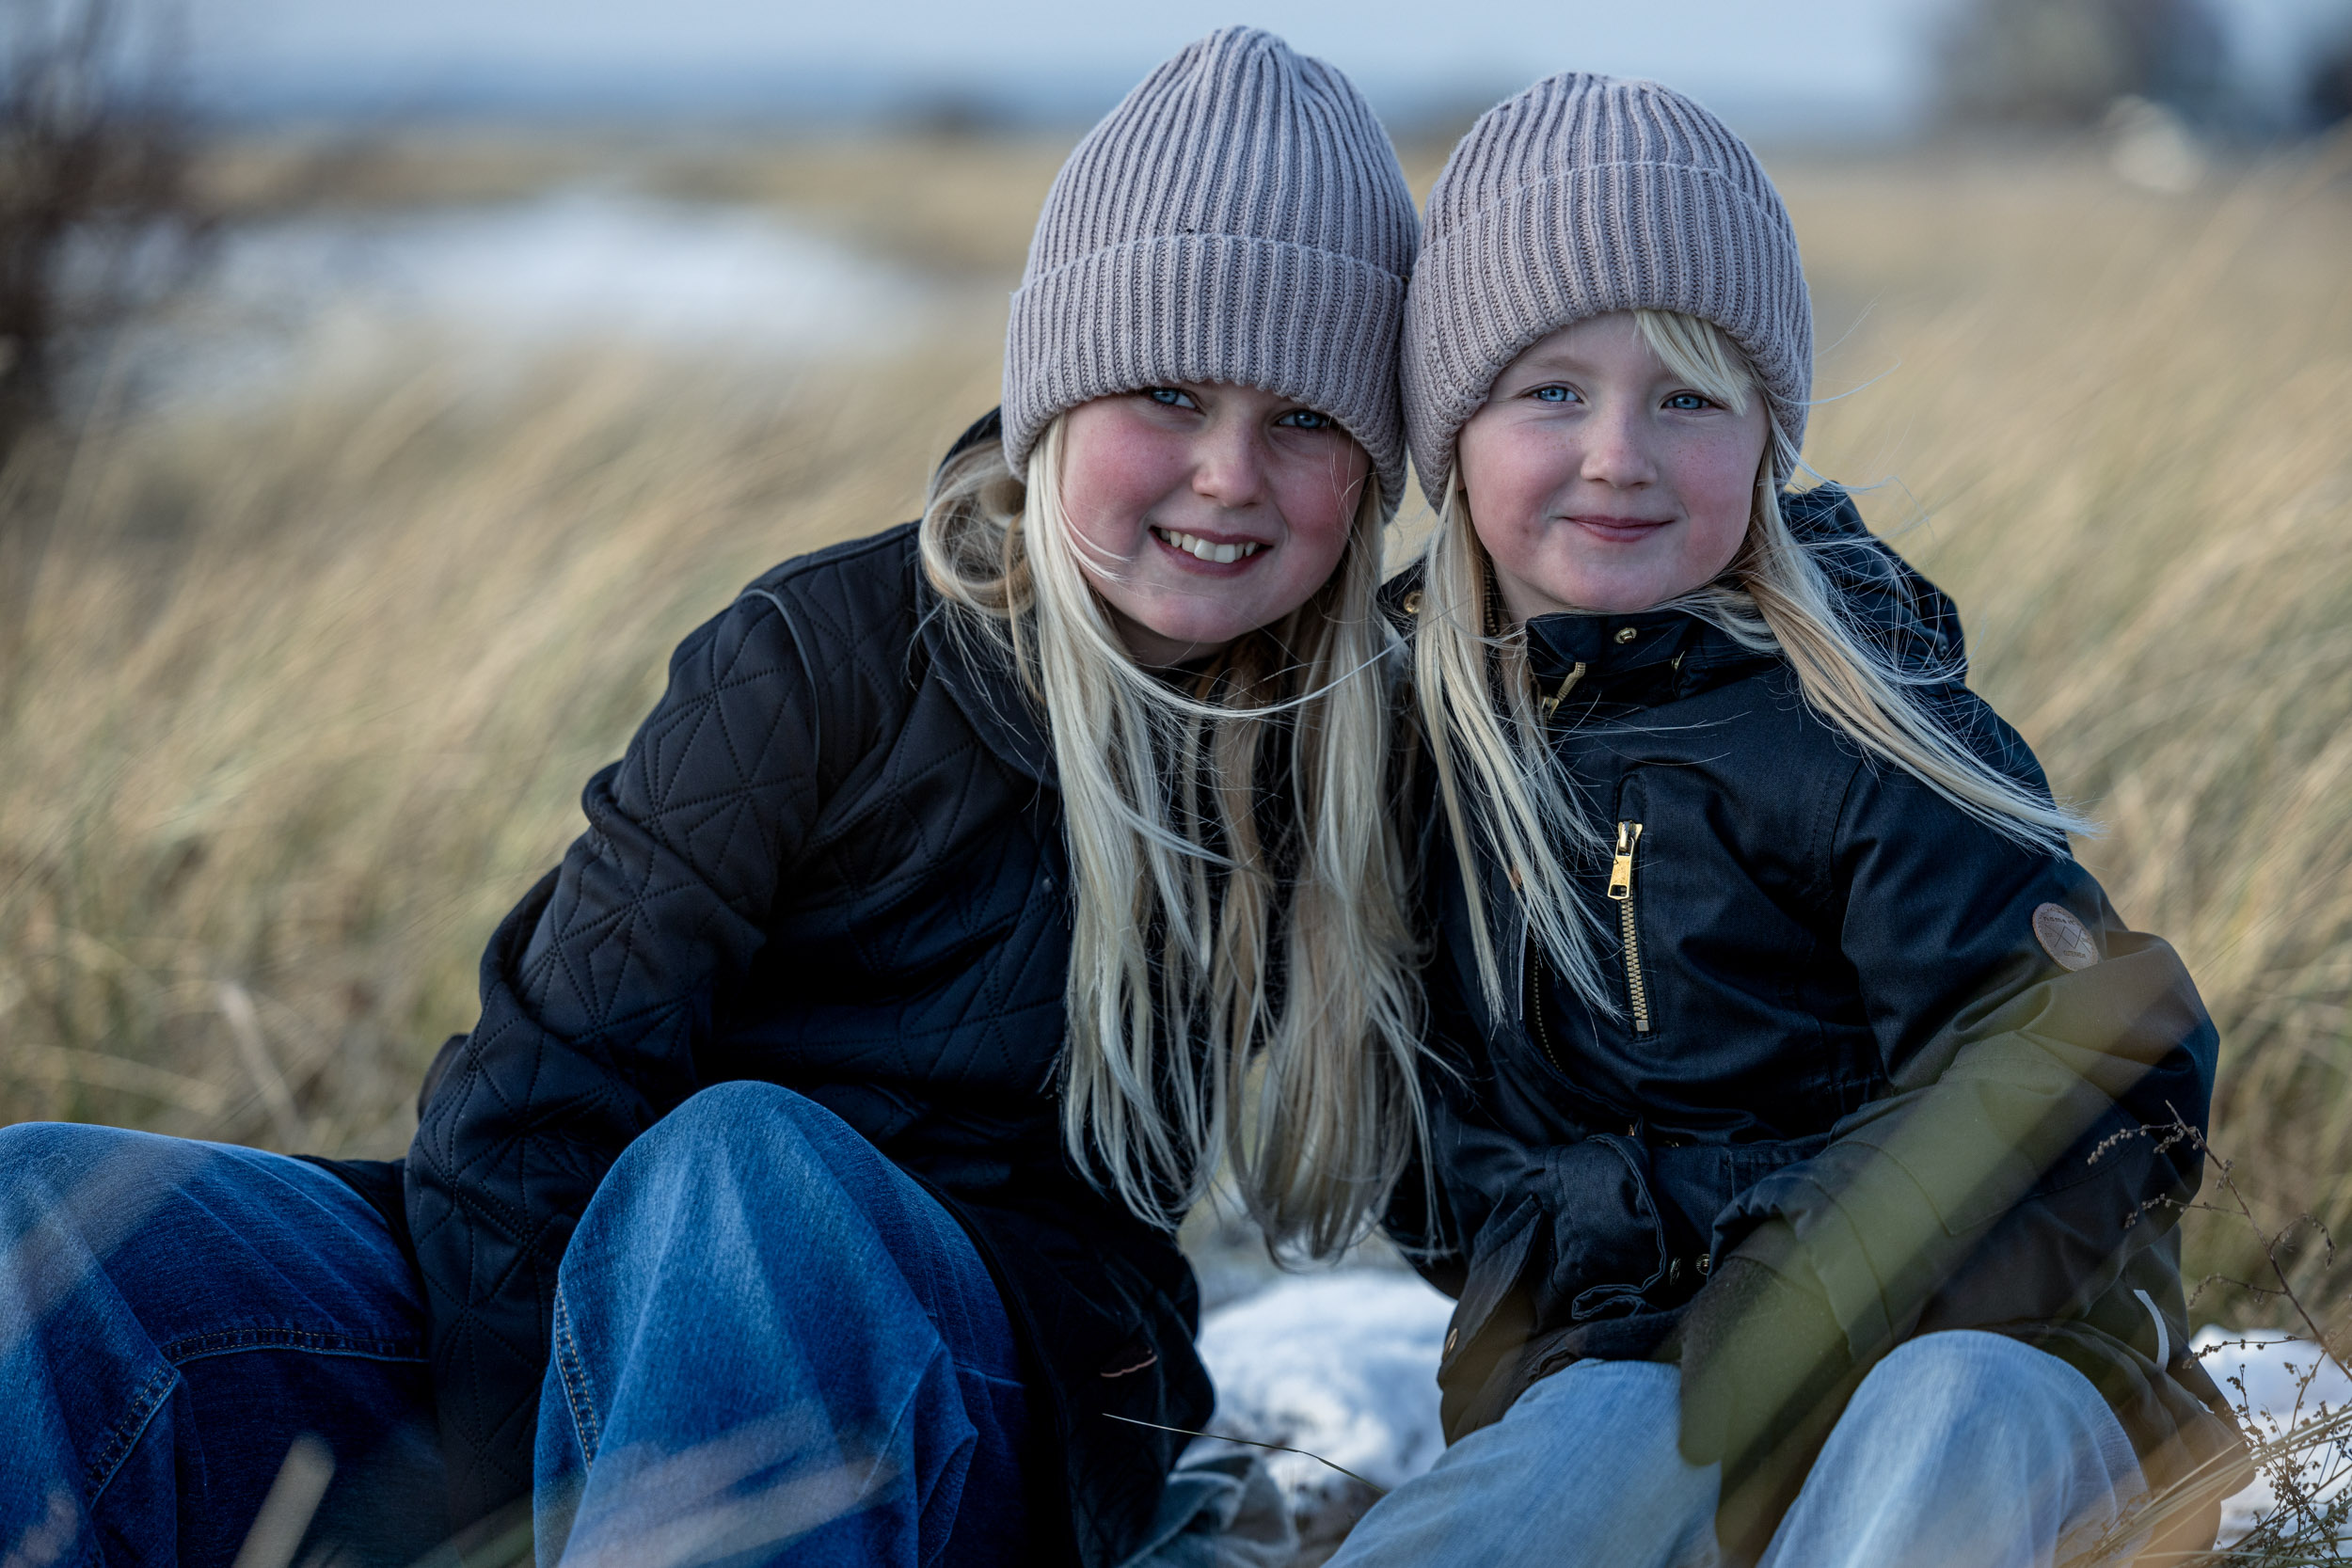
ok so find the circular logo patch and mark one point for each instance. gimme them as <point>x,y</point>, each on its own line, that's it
<point>2063,938</point>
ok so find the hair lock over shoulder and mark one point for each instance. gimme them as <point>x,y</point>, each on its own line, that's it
<point>1240,987</point>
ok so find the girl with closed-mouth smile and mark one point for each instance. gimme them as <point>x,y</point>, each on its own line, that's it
<point>1797,1100</point>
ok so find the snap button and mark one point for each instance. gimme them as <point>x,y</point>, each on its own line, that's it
<point>1706,1261</point>
<point>1626,634</point>
<point>1674,1270</point>
<point>1451,1336</point>
<point>1412,602</point>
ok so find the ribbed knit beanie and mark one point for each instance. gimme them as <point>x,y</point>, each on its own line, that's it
<point>1239,219</point>
<point>1582,195</point>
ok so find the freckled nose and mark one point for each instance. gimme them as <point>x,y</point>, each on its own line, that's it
<point>1616,453</point>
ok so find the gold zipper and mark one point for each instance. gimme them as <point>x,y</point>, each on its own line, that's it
<point>1621,891</point>
<point>1552,704</point>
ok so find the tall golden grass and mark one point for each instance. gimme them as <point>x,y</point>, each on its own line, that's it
<point>296,700</point>
<point>2118,429</point>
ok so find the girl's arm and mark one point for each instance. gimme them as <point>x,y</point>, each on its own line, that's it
<point>596,992</point>
<point>2029,1037</point>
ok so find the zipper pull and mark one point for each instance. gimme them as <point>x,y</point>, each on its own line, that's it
<point>1552,704</point>
<point>1621,869</point>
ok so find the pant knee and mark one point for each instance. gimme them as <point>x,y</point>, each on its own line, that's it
<point>1970,1391</point>
<point>1961,1447</point>
<point>743,1126</point>
<point>742,1156</point>
<point>53,1171</point>
<point>1965,1374</point>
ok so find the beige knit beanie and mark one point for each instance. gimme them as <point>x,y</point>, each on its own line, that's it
<point>1239,219</point>
<point>1582,195</point>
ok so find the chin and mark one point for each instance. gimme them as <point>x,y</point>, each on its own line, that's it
<point>1204,636</point>
<point>1185,619</point>
<point>1615,596</point>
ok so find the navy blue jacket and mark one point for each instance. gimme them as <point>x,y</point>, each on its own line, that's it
<point>1842,1006</point>
<point>833,858</point>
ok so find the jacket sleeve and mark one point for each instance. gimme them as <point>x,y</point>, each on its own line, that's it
<point>594,993</point>
<point>2010,1176</point>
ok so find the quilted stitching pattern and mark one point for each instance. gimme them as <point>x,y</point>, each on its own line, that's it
<point>819,876</point>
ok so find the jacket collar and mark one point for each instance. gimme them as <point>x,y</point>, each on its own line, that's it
<point>1636,660</point>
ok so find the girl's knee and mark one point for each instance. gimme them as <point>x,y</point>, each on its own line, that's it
<point>1968,1387</point>
<point>49,1168</point>
<point>1954,1364</point>
<point>742,1149</point>
<point>738,1124</point>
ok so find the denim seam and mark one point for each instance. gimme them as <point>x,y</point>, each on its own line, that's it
<point>226,1341</point>
<point>127,1432</point>
<point>939,1352</point>
<point>576,1394</point>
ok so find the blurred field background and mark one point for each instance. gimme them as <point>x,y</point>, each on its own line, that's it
<point>300,676</point>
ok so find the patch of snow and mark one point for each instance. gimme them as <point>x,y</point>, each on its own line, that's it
<point>1343,1366</point>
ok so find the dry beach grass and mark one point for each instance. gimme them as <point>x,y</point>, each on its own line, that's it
<point>298,697</point>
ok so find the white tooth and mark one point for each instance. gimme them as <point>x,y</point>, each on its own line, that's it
<point>1249,550</point>
<point>1202,549</point>
<point>1227,554</point>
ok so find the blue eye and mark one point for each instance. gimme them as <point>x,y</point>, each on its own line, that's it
<point>1168,397</point>
<point>1307,419</point>
<point>1553,394</point>
<point>1689,403</point>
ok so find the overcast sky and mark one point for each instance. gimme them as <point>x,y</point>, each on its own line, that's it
<point>1845,56</point>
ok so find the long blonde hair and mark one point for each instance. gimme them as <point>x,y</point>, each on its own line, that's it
<point>1228,996</point>
<point>1505,801</point>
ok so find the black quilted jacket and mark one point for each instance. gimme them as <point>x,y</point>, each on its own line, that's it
<point>1842,1006</point>
<point>833,858</point>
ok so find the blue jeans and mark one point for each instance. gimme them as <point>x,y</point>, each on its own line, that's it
<point>774,1346</point>
<point>1959,1450</point>
<point>173,1317</point>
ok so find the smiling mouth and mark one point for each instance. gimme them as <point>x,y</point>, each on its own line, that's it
<point>1206,549</point>
<point>1624,530</point>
